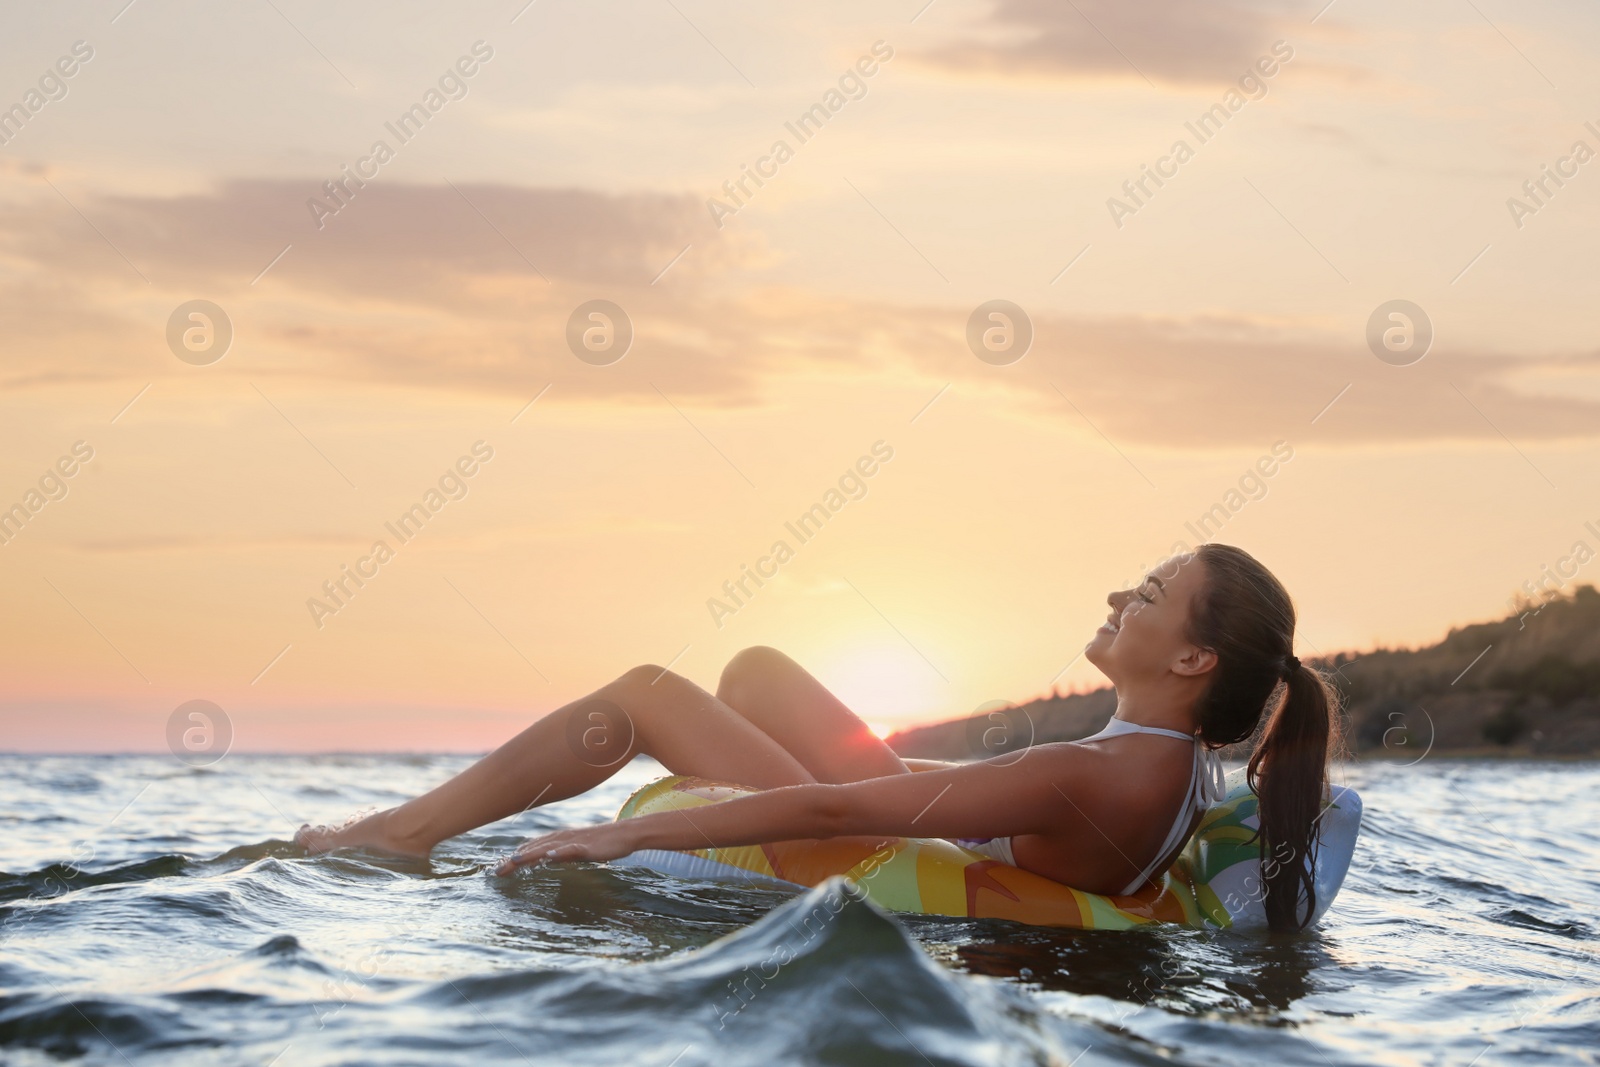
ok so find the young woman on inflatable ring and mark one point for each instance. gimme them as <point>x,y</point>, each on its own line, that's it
<point>1200,653</point>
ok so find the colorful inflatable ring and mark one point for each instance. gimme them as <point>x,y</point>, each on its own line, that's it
<point>1215,882</point>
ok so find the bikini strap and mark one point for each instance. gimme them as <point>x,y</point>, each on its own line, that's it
<point>1179,734</point>
<point>1207,788</point>
<point>1208,785</point>
<point>1212,787</point>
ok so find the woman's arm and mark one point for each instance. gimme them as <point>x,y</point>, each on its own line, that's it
<point>994,798</point>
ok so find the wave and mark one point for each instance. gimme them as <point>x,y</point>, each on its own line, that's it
<point>824,978</point>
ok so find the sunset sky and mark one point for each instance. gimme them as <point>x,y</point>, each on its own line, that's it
<point>1177,339</point>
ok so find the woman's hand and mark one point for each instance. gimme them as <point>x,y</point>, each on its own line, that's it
<point>606,841</point>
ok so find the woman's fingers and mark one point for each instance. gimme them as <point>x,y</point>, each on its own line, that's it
<point>510,864</point>
<point>607,841</point>
<point>522,857</point>
<point>539,850</point>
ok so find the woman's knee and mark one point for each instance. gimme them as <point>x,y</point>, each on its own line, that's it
<point>748,666</point>
<point>644,676</point>
<point>630,694</point>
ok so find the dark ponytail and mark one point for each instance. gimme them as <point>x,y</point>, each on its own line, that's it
<point>1245,616</point>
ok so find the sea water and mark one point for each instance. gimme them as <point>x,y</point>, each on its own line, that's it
<point>155,913</point>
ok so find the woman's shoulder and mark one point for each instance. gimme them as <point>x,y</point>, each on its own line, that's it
<point>1060,765</point>
<point>1097,778</point>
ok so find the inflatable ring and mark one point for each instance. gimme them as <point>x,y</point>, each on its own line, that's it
<point>1214,883</point>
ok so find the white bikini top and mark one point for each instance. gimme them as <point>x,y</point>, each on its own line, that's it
<point>1206,787</point>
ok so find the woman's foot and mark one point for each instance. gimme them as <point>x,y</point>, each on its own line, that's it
<point>359,831</point>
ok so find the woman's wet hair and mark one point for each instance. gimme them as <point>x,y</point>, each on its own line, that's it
<point>1244,615</point>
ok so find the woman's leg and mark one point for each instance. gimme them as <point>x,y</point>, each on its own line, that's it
<point>794,709</point>
<point>575,748</point>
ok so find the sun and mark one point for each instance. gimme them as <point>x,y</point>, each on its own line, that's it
<point>888,685</point>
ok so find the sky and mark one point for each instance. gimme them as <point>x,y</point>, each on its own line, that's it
<point>1202,216</point>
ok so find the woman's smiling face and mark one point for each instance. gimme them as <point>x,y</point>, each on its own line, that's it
<point>1147,631</point>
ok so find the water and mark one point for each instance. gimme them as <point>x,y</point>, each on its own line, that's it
<point>153,913</point>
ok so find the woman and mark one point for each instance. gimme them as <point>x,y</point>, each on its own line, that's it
<point>1197,652</point>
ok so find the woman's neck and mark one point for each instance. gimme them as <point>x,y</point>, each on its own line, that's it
<point>1166,706</point>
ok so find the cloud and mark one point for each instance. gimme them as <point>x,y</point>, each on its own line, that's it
<point>411,288</point>
<point>1173,41</point>
<point>458,285</point>
<point>391,238</point>
<point>1216,382</point>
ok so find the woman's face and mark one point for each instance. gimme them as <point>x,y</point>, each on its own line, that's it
<point>1146,634</point>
